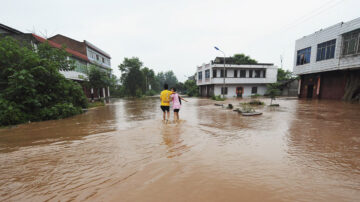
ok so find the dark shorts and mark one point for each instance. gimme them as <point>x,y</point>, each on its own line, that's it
<point>176,110</point>
<point>165,108</point>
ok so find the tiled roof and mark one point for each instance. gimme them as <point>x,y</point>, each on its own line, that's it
<point>56,45</point>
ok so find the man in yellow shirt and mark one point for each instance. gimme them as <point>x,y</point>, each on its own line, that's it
<point>165,102</point>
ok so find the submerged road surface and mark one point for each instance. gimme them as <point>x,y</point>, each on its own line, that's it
<point>302,151</point>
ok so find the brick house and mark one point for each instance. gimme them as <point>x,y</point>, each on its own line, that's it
<point>95,56</point>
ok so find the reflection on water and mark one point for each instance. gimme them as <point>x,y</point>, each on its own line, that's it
<point>302,151</point>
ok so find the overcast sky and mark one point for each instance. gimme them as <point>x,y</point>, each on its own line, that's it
<point>180,35</point>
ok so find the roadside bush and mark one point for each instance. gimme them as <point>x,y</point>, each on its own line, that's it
<point>31,86</point>
<point>256,102</point>
<point>10,113</point>
<point>217,98</point>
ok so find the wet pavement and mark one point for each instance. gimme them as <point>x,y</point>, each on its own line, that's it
<point>302,151</point>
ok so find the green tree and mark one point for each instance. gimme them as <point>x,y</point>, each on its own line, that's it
<point>98,78</point>
<point>167,77</point>
<point>284,75</point>
<point>132,78</point>
<point>273,90</point>
<point>243,59</point>
<point>190,87</point>
<point>31,86</point>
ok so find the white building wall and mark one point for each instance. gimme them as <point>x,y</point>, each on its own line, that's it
<point>73,75</point>
<point>330,33</point>
<point>261,90</point>
<point>270,77</point>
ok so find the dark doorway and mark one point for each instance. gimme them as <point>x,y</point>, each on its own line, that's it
<point>310,91</point>
<point>239,91</point>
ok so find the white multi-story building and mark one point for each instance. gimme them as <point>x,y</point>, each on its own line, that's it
<point>328,60</point>
<point>240,80</point>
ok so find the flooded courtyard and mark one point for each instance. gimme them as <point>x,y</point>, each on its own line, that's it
<point>304,150</point>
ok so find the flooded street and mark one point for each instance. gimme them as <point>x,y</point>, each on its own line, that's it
<point>301,151</point>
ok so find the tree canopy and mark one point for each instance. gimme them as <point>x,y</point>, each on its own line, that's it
<point>243,59</point>
<point>284,75</point>
<point>31,86</point>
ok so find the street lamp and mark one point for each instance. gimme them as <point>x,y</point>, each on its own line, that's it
<point>223,87</point>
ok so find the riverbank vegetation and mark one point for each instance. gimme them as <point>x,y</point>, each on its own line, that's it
<point>31,86</point>
<point>137,80</point>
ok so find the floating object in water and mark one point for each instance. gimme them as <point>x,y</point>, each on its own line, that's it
<point>218,104</point>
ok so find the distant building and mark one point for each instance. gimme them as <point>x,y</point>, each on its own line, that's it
<point>95,56</point>
<point>240,80</point>
<point>328,62</point>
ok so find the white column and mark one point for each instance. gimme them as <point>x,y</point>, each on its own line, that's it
<point>103,92</point>
<point>108,89</point>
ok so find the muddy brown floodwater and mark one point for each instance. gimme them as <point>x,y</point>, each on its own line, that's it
<point>301,151</point>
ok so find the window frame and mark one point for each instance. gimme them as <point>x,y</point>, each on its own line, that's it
<point>243,73</point>
<point>214,73</point>
<point>346,39</point>
<point>303,56</point>
<point>200,75</point>
<point>252,90</point>
<point>207,74</point>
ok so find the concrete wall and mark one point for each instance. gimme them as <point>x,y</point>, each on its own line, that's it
<point>261,89</point>
<point>327,34</point>
<point>269,77</point>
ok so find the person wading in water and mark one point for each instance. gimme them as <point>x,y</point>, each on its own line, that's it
<point>176,103</point>
<point>165,102</point>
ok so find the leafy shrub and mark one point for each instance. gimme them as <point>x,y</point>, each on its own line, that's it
<point>254,96</point>
<point>217,98</point>
<point>31,86</point>
<point>256,102</point>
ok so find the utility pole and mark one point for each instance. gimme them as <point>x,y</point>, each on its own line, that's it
<point>223,87</point>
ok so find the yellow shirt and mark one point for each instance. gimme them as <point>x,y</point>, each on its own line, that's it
<point>165,97</point>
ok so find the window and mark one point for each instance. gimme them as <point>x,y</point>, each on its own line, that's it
<point>303,56</point>
<point>235,73</point>
<point>351,43</point>
<point>250,73</point>
<point>103,60</point>
<point>253,90</point>
<point>242,73</point>
<point>264,71</point>
<point>200,75</point>
<point>207,73</point>
<point>222,73</point>
<point>97,57</point>
<point>224,92</point>
<point>326,50</point>
<point>257,73</point>
<point>214,73</point>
